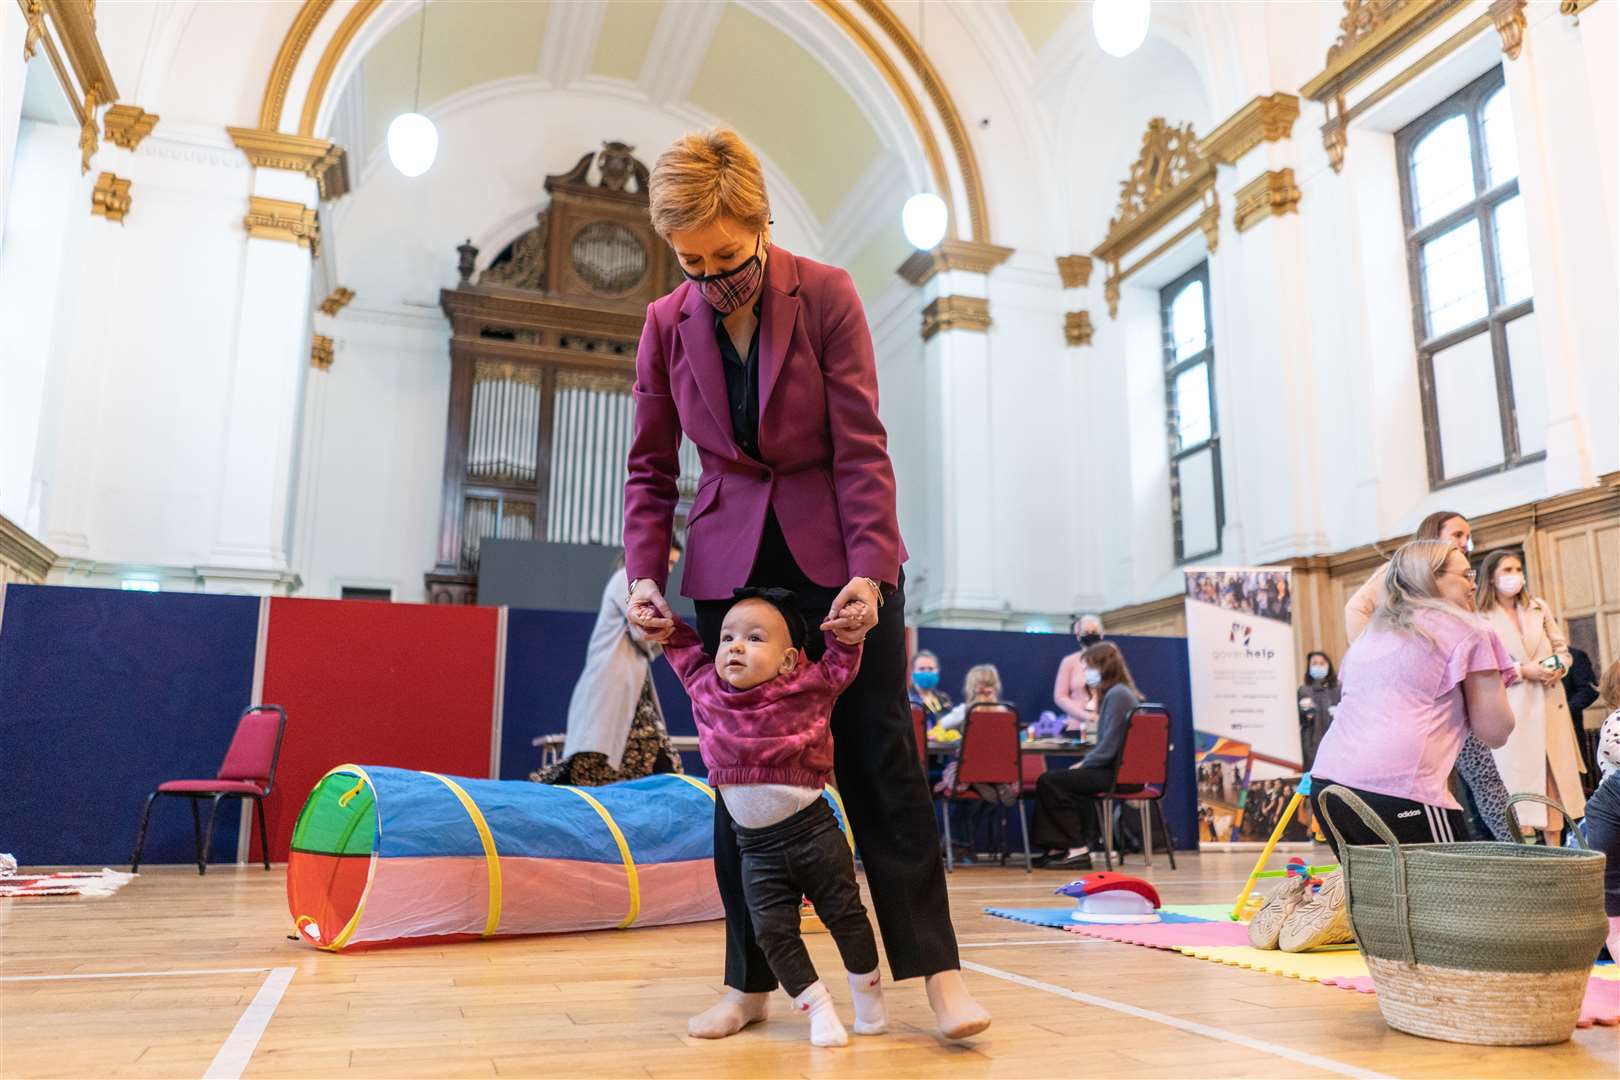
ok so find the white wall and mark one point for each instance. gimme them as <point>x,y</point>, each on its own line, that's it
<point>372,456</point>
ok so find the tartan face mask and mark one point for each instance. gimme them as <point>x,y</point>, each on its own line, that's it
<point>726,291</point>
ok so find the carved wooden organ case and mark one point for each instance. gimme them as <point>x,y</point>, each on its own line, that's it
<point>542,357</point>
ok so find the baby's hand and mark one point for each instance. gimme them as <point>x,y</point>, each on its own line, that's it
<point>851,614</point>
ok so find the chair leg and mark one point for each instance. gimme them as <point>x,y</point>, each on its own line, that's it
<point>1106,808</point>
<point>1164,826</point>
<point>1023,829</point>
<point>208,837</point>
<point>264,840</point>
<point>1147,833</point>
<point>140,836</point>
<point>196,837</point>
<point>950,863</point>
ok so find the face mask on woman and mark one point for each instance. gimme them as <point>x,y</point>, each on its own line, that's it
<point>1088,640</point>
<point>1509,584</point>
<point>727,290</point>
<point>1318,672</point>
<point>1093,678</point>
<point>925,680</point>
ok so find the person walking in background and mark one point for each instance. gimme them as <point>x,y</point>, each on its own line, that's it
<point>1542,756</point>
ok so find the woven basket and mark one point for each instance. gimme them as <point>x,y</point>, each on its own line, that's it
<point>1489,943</point>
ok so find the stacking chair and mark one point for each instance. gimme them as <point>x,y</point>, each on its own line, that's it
<point>990,755</point>
<point>248,772</point>
<point>919,728</point>
<point>1141,775</point>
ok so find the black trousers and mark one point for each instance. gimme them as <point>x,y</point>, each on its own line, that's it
<point>1065,812</point>
<point>1411,822</point>
<point>884,792</point>
<point>806,855</point>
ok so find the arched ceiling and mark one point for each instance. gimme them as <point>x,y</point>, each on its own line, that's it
<point>831,172</point>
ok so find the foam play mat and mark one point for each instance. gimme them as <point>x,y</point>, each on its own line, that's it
<point>1225,942</point>
<point>91,883</point>
<point>1060,918</point>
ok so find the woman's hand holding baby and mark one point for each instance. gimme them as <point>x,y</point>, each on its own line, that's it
<point>649,611</point>
<point>849,625</point>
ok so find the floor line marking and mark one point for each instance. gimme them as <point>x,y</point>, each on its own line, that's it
<point>133,974</point>
<point>238,1049</point>
<point>1190,1026</point>
<point>1055,939</point>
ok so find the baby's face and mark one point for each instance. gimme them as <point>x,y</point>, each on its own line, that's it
<point>754,645</point>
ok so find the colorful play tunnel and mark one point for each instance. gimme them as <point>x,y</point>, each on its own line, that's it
<point>383,854</point>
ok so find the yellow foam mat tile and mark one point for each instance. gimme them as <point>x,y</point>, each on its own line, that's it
<point>1311,967</point>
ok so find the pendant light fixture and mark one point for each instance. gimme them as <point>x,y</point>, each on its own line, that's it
<point>925,215</point>
<point>413,141</point>
<point>1120,25</point>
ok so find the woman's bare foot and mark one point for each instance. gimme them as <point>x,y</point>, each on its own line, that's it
<point>729,1015</point>
<point>958,1014</point>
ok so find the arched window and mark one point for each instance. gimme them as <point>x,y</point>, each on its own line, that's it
<point>1479,359</point>
<point>1197,511</point>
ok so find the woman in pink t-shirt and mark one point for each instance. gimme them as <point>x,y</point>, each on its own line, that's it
<point>1425,675</point>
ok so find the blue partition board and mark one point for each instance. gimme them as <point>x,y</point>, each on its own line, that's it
<point>545,652</point>
<point>1028,664</point>
<point>104,695</point>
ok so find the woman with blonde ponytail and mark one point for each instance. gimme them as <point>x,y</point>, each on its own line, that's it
<point>1425,675</point>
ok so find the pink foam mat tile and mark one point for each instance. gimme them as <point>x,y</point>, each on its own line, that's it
<point>1168,935</point>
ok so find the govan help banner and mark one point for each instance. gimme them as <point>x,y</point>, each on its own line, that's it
<point>1240,654</point>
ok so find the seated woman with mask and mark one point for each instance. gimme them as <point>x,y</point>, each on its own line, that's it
<point>925,690</point>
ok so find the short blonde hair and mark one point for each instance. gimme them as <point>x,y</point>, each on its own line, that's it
<point>981,675</point>
<point>706,176</point>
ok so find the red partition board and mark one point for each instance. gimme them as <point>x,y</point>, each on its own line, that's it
<point>410,685</point>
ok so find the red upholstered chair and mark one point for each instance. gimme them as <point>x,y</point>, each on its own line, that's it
<point>919,728</point>
<point>248,772</point>
<point>1141,775</point>
<point>990,755</point>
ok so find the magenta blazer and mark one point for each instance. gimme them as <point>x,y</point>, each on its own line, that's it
<point>826,467</point>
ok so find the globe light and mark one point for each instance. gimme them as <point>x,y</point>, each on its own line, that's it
<point>923,219</point>
<point>1120,25</point>
<point>413,143</point>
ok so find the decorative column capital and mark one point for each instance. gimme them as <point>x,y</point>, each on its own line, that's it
<point>110,197</point>
<point>971,313</point>
<point>280,219</point>
<point>1074,270</point>
<point>127,125</point>
<point>1077,328</point>
<point>1268,118</point>
<point>964,255</point>
<point>321,160</point>
<point>320,352</point>
<point>336,301</point>
<point>1508,15</point>
<point>1271,194</point>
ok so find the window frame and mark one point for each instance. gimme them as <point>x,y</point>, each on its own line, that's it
<point>1469,102</point>
<point>1172,368</point>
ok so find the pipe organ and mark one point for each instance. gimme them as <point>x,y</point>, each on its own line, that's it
<point>542,360</point>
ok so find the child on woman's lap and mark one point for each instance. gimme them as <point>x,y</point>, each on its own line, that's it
<point>762,713</point>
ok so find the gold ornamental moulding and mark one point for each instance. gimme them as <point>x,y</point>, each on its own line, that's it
<point>66,30</point>
<point>842,13</point>
<point>321,160</point>
<point>1168,178</point>
<point>970,313</point>
<point>963,255</point>
<point>336,300</point>
<point>1074,271</point>
<point>1271,194</point>
<point>280,219</point>
<point>127,125</point>
<point>1375,33</point>
<point>320,352</point>
<point>110,197</point>
<point>1077,328</point>
<point>1268,118</point>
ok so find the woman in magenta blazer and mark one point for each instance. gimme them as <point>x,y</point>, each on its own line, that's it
<point>763,360</point>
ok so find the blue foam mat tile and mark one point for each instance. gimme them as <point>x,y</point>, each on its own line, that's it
<point>1058,917</point>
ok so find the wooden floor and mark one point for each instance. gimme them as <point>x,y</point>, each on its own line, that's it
<point>204,950</point>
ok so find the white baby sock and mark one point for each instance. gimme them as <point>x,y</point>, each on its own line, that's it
<point>825,1027</point>
<point>871,1015</point>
